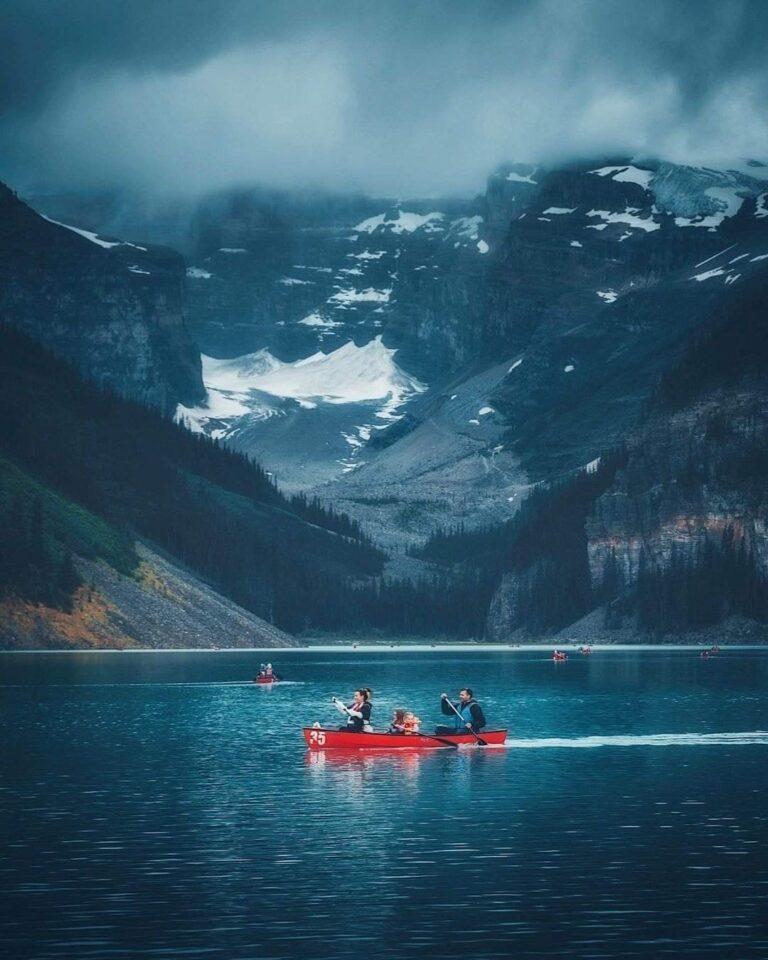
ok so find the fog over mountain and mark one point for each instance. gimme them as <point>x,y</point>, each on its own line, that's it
<point>396,97</point>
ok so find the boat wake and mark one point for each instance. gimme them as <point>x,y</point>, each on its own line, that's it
<point>648,740</point>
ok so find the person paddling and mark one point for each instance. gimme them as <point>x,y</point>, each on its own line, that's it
<point>467,713</point>
<point>358,712</point>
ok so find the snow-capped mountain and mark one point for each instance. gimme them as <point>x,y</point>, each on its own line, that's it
<point>529,326</point>
<point>538,317</point>
<point>256,395</point>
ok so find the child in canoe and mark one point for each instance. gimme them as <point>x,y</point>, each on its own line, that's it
<point>411,723</point>
<point>404,723</point>
<point>397,724</point>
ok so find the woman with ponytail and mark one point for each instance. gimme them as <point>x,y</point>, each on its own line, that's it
<point>358,712</point>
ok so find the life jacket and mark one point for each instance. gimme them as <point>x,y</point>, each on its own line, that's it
<point>360,724</point>
<point>465,712</point>
<point>411,726</point>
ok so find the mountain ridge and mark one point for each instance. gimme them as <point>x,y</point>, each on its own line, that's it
<point>114,308</point>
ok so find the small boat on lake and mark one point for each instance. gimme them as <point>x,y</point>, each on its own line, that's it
<point>266,675</point>
<point>318,738</point>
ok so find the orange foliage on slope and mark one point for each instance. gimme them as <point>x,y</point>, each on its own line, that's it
<point>91,624</point>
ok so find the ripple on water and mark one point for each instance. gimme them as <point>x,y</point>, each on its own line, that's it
<point>164,816</point>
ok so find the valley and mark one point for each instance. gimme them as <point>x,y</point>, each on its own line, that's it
<point>424,366</point>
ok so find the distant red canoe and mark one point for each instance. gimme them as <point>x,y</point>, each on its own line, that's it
<point>320,739</point>
<point>262,679</point>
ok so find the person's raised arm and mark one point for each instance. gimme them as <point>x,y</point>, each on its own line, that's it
<point>445,705</point>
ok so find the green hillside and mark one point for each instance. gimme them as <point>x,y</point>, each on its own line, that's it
<point>40,531</point>
<point>129,469</point>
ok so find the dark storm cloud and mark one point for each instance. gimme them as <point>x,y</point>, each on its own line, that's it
<point>401,97</point>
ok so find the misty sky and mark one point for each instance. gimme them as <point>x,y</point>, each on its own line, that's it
<point>402,98</point>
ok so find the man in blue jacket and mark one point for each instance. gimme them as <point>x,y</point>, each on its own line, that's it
<point>466,713</point>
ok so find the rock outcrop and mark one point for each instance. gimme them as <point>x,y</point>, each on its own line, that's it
<point>115,309</point>
<point>677,542</point>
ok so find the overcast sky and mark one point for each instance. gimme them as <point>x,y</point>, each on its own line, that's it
<point>402,98</point>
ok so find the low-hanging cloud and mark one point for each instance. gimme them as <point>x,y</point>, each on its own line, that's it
<point>394,97</point>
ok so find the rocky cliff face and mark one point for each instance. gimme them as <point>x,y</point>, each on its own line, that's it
<point>114,308</point>
<point>688,483</point>
<point>679,538</point>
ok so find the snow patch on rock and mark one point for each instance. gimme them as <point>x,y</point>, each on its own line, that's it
<point>519,178</point>
<point>367,255</point>
<point>94,237</point>
<point>630,174</point>
<point>629,216</point>
<point>708,274</point>
<point>350,295</point>
<point>405,222</point>
<point>728,203</point>
<point>318,320</point>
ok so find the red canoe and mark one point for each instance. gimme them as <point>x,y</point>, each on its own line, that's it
<point>320,739</point>
<point>263,679</point>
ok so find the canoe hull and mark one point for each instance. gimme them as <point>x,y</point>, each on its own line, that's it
<point>323,739</point>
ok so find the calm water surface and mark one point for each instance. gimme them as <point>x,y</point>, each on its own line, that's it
<point>155,805</point>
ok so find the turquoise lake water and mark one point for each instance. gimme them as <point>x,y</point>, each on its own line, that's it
<point>160,805</point>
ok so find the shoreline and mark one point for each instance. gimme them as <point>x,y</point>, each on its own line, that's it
<point>395,648</point>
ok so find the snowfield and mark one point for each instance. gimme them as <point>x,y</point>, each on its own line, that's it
<point>629,174</point>
<point>350,374</point>
<point>629,217</point>
<point>404,222</point>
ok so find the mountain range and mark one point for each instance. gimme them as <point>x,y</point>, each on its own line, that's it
<point>426,366</point>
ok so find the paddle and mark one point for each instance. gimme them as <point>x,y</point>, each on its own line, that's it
<point>480,741</point>
<point>432,736</point>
